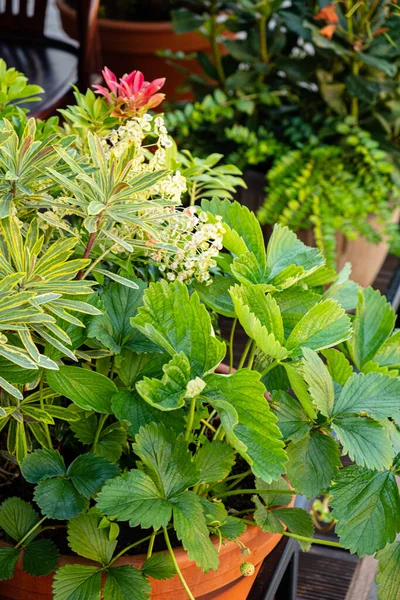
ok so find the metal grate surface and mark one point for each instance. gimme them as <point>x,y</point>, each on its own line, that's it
<point>325,574</point>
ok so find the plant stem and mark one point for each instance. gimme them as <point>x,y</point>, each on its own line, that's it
<point>300,537</point>
<point>263,38</point>
<point>269,368</point>
<point>253,491</point>
<point>96,262</point>
<point>214,46</point>
<point>145,539</point>
<point>252,355</point>
<point>41,400</point>
<point>190,420</point>
<point>245,353</point>
<point>193,194</point>
<point>100,425</point>
<point>238,479</point>
<point>207,425</point>
<point>231,339</point>
<point>177,569</point>
<point>151,544</point>
<point>32,529</point>
<point>91,241</point>
<point>354,101</point>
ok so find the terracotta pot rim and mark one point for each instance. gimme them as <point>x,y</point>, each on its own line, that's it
<point>113,25</point>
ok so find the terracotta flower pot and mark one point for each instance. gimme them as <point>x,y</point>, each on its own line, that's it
<point>225,584</point>
<point>128,45</point>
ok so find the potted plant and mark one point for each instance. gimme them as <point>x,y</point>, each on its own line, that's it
<point>309,82</point>
<point>133,33</point>
<point>123,429</point>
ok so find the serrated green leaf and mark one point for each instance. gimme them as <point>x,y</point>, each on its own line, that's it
<point>372,326</point>
<point>17,517</point>
<point>179,323</point>
<point>325,325</point>
<point>132,366</point>
<point>313,463</point>
<point>216,296</point>
<point>126,583</point>
<point>299,387</point>
<point>57,498</point>
<point>214,461</point>
<point>86,539</point>
<point>40,558</point>
<point>43,464</point>
<point>388,576</point>
<point>343,290</point>
<point>159,566</point>
<point>129,407</point>
<point>376,394</point>
<point>77,582</point>
<point>8,560</point>
<point>294,302</point>
<point>232,528</point>
<point>338,365</point>
<point>274,499</point>
<point>365,441</point>
<point>248,421</point>
<point>319,381</point>
<point>191,530</point>
<point>367,507</point>
<point>292,420</point>
<point>87,389</point>
<point>168,393</point>
<point>89,472</point>
<point>389,354</point>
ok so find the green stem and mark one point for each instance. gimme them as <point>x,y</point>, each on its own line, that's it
<point>263,38</point>
<point>231,339</point>
<point>190,420</point>
<point>252,491</point>
<point>215,50</point>
<point>41,400</point>
<point>206,424</point>
<point>99,259</point>
<point>219,436</point>
<point>32,529</point>
<point>349,18</point>
<point>124,550</point>
<point>193,194</point>
<point>151,544</point>
<point>252,355</point>
<point>177,569</point>
<point>354,101</point>
<point>238,479</point>
<point>301,538</point>
<point>269,368</point>
<point>245,353</point>
<point>100,426</point>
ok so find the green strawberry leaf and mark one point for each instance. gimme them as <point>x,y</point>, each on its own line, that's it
<point>319,381</point>
<point>17,517</point>
<point>373,323</point>
<point>87,389</point>
<point>77,582</point>
<point>216,296</point>
<point>126,583</point>
<point>292,419</point>
<point>343,290</point>
<point>86,539</point>
<point>43,464</point>
<point>367,506</point>
<point>388,576</point>
<point>57,498</point>
<point>338,365</point>
<point>132,366</point>
<point>373,393</point>
<point>170,392</point>
<point>159,566</point>
<point>313,463</point>
<point>365,441</point>
<point>8,559</point>
<point>297,521</point>
<point>249,422</point>
<point>389,353</point>
<point>293,303</point>
<point>40,558</point>
<point>88,473</point>
<point>214,461</point>
<point>274,499</point>
<point>179,323</point>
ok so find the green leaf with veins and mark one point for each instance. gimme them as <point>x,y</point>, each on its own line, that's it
<point>263,307</point>
<point>132,366</point>
<point>274,499</point>
<point>57,498</point>
<point>77,582</point>
<point>88,472</point>
<point>8,559</point>
<point>216,296</point>
<point>292,419</point>
<point>293,303</point>
<point>40,558</point>
<point>86,539</point>
<point>376,394</point>
<point>128,406</point>
<point>126,583</point>
<point>249,423</point>
<point>42,464</point>
<point>179,323</point>
<point>87,389</point>
<point>297,521</point>
<point>389,353</point>
<point>367,506</point>
<point>325,325</point>
<point>159,566</point>
<point>338,365</point>
<point>365,440</point>
<point>388,576</point>
<point>313,463</point>
<point>373,324</point>
<point>344,290</point>
<point>17,517</point>
<point>319,381</point>
<point>170,392</point>
<point>214,461</point>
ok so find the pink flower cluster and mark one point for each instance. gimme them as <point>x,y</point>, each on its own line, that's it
<point>131,96</point>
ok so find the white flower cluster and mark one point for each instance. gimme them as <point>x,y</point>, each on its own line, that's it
<point>196,244</point>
